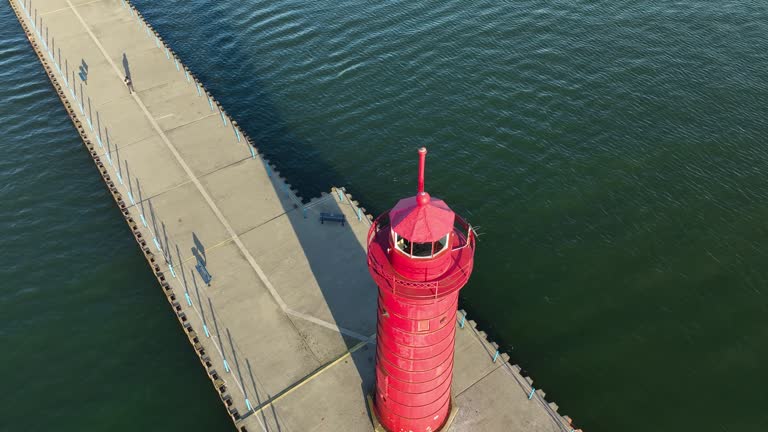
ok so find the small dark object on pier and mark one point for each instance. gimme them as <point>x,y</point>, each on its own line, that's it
<point>220,386</point>
<point>333,217</point>
<point>207,360</point>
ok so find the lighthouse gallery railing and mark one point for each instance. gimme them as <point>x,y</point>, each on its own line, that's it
<point>386,276</point>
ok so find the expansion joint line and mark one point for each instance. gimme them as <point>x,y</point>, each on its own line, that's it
<point>290,389</point>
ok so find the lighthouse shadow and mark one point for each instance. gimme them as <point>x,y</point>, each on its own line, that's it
<point>330,297</point>
<point>337,290</point>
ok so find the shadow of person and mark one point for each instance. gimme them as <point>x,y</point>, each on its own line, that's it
<point>127,67</point>
<point>200,249</point>
<point>83,71</point>
<point>198,256</point>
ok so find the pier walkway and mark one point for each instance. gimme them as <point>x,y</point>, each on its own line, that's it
<point>280,308</point>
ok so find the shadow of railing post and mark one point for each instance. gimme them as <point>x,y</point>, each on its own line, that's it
<point>259,403</point>
<point>200,303</point>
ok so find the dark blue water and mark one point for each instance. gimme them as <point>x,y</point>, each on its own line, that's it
<point>612,154</point>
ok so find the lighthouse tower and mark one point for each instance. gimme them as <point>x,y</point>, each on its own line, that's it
<point>420,253</point>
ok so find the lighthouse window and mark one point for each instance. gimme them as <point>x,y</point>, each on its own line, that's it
<point>441,244</point>
<point>403,244</point>
<point>434,247</point>
<point>421,250</point>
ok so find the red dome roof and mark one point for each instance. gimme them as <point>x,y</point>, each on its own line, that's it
<point>421,220</point>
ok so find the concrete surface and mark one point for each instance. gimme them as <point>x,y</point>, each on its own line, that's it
<point>291,310</point>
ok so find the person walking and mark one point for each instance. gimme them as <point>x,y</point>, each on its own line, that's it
<point>128,83</point>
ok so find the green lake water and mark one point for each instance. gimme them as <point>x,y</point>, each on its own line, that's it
<point>613,155</point>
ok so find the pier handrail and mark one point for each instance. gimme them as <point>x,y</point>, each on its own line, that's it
<point>527,388</point>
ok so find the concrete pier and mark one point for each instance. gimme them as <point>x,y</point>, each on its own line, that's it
<point>278,306</point>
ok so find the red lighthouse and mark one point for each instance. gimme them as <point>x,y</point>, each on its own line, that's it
<point>420,254</point>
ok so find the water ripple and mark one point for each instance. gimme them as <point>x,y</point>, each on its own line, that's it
<point>612,154</point>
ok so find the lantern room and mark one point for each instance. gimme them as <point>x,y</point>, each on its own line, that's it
<point>421,233</point>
